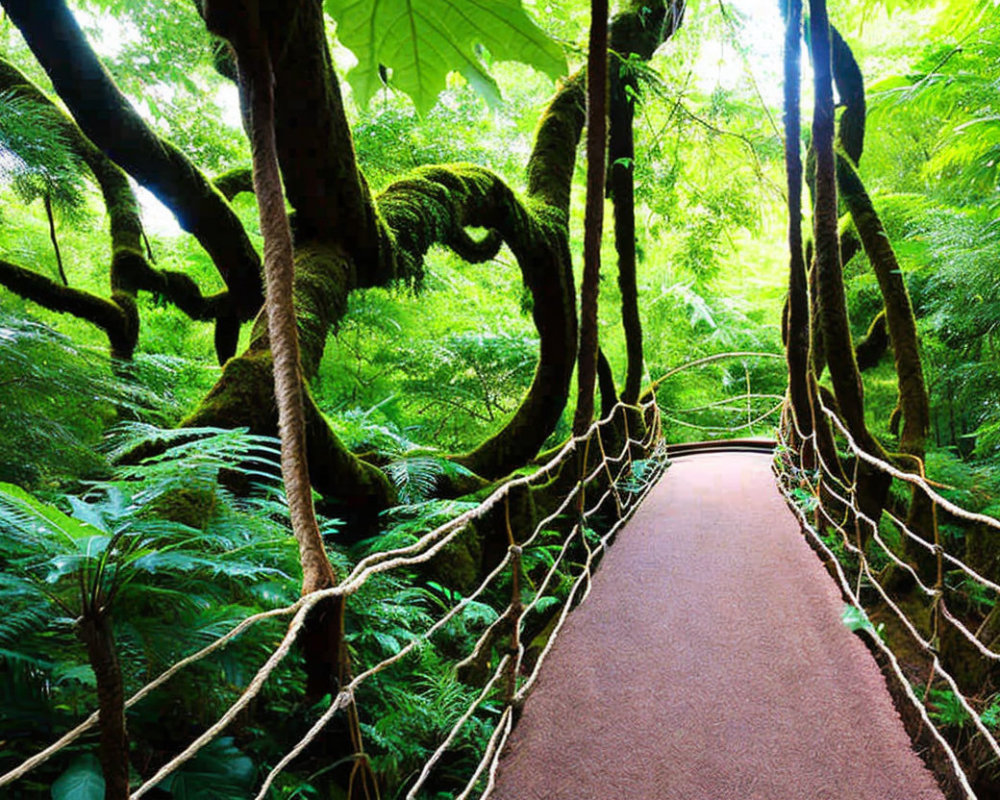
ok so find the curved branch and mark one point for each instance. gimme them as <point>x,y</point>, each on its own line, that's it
<point>869,351</point>
<point>117,319</point>
<point>427,208</point>
<point>130,271</point>
<point>898,314</point>
<point>234,182</point>
<point>851,89</point>
<point>110,122</point>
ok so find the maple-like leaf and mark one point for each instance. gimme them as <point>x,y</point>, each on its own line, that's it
<point>421,41</point>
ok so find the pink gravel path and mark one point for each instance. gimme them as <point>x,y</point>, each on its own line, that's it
<point>709,663</point>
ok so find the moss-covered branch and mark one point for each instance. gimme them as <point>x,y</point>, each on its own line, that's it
<point>234,182</point>
<point>130,271</point>
<point>118,321</point>
<point>851,90</point>
<point>869,351</point>
<point>899,316</point>
<point>429,207</point>
<point>111,122</point>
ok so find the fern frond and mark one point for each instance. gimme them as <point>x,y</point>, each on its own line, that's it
<point>35,156</point>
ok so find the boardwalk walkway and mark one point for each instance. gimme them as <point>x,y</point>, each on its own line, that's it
<point>710,663</point>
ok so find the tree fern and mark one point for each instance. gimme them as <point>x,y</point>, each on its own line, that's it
<point>35,157</point>
<point>58,398</point>
<point>169,586</point>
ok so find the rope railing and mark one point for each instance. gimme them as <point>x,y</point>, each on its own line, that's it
<point>742,404</point>
<point>828,508</point>
<point>622,485</point>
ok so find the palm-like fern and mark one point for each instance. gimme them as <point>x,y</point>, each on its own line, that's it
<point>58,397</point>
<point>119,552</point>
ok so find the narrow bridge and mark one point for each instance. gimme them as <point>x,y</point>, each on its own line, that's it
<point>705,659</point>
<point>710,661</point>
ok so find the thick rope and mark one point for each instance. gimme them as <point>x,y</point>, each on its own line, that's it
<point>818,485</point>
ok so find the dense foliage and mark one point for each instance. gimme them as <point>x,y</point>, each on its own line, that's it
<point>137,486</point>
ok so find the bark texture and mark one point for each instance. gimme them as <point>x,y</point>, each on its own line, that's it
<point>113,125</point>
<point>95,631</point>
<point>797,337</point>
<point>593,218</point>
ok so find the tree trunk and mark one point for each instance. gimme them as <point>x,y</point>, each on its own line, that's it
<point>798,322</point>
<point>593,221</point>
<point>898,318</point>
<point>95,631</point>
<point>873,485</point>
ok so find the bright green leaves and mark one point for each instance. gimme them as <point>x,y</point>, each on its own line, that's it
<point>857,620</point>
<point>420,41</point>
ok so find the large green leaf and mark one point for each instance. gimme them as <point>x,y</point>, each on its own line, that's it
<point>43,524</point>
<point>82,780</point>
<point>421,41</point>
<point>219,772</point>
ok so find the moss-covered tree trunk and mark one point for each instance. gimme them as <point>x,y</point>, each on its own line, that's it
<point>343,237</point>
<point>797,325</point>
<point>872,484</point>
<point>897,317</point>
<point>593,219</point>
<point>432,205</point>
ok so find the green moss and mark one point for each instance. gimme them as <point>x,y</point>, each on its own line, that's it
<point>550,168</point>
<point>458,565</point>
<point>190,507</point>
<point>324,276</point>
<point>243,397</point>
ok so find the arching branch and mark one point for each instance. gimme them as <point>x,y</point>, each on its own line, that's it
<point>234,182</point>
<point>433,203</point>
<point>130,271</point>
<point>113,125</point>
<point>118,321</point>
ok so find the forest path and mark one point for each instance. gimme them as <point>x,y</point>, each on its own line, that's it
<point>710,662</point>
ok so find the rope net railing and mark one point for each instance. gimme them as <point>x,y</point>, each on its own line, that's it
<point>905,590</point>
<point>745,412</point>
<point>510,619</point>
